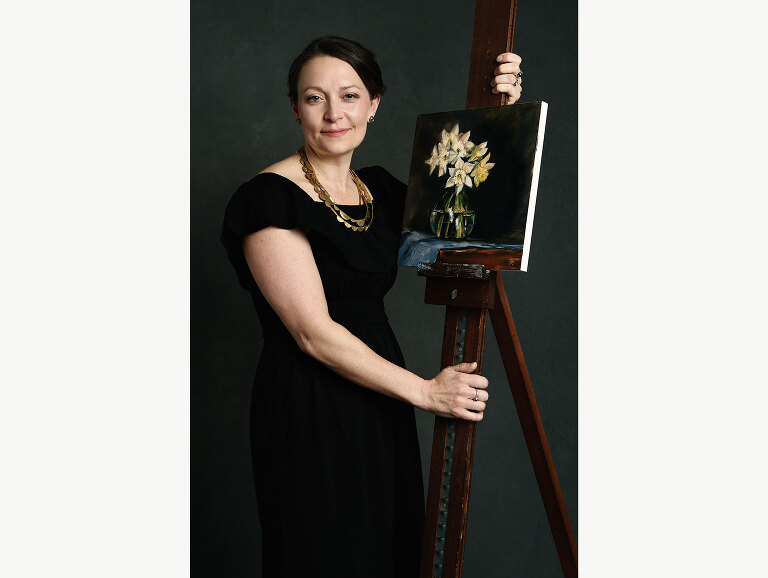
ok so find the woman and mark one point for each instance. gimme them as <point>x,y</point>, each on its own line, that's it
<point>333,434</point>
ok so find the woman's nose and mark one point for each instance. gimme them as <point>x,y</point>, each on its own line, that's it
<point>333,112</point>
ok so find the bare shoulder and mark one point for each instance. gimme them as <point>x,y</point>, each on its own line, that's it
<point>286,167</point>
<point>290,168</point>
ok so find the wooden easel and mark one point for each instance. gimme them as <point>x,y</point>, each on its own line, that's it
<point>467,284</point>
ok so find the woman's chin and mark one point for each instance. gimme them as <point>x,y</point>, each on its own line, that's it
<point>336,146</point>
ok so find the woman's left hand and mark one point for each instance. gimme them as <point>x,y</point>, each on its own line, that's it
<point>507,77</point>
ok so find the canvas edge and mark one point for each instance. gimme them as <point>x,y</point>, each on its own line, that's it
<point>534,187</point>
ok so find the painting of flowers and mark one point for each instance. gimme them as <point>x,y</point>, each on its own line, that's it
<point>472,186</point>
<point>451,217</point>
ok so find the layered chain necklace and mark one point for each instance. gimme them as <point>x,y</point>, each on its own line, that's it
<point>341,216</point>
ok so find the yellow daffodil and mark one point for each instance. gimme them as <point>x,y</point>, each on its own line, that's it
<point>478,152</point>
<point>480,171</point>
<point>461,158</point>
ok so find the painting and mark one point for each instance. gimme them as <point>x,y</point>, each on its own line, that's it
<point>472,186</point>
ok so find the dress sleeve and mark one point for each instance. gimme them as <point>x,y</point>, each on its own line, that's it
<point>271,200</point>
<point>260,203</point>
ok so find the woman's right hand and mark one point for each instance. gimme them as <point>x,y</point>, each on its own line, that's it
<point>452,391</point>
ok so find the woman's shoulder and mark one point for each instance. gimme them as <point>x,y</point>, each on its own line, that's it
<point>281,167</point>
<point>286,168</point>
<point>270,198</point>
<point>281,176</point>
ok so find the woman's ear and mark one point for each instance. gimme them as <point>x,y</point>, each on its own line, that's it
<point>294,108</point>
<point>375,104</point>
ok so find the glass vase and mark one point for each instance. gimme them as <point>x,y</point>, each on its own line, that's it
<point>451,217</point>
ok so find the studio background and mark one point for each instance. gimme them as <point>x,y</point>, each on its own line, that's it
<point>241,122</point>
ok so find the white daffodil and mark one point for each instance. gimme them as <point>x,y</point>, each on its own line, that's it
<point>448,138</point>
<point>477,152</point>
<point>460,175</point>
<point>433,160</point>
<point>445,156</point>
<point>463,145</point>
<point>480,171</point>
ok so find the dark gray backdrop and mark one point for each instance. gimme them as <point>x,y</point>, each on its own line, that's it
<point>241,122</point>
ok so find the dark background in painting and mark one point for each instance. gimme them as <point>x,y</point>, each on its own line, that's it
<point>241,122</point>
<point>501,201</point>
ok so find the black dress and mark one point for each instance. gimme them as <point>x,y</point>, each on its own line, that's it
<point>337,466</point>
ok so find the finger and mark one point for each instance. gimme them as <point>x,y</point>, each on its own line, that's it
<point>478,388</point>
<point>468,367</point>
<point>477,382</point>
<point>513,98</point>
<point>469,415</point>
<point>507,88</point>
<point>506,79</point>
<point>468,401</point>
<point>509,57</point>
<point>476,405</point>
<point>509,68</point>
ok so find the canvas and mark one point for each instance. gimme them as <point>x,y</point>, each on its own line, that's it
<point>472,186</point>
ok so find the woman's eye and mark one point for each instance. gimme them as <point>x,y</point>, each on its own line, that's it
<point>351,96</point>
<point>313,98</point>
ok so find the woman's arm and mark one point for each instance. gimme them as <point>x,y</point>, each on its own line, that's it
<point>284,268</point>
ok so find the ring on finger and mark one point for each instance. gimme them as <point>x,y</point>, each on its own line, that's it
<point>476,394</point>
<point>517,78</point>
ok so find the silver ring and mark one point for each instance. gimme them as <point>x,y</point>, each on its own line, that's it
<point>517,78</point>
<point>476,394</point>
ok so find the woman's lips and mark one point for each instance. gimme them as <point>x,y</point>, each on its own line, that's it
<point>340,132</point>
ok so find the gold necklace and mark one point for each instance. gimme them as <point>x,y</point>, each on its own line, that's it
<point>341,216</point>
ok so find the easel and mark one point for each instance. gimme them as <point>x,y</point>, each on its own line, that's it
<point>467,284</point>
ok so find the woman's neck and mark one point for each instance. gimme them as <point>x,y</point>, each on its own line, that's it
<point>331,171</point>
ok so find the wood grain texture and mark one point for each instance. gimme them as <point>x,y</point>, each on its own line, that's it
<point>464,453</point>
<point>498,259</point>
<point>464,270</point>
<point>464,447</point>
<point>439,438</point>
<point>458,292</point>
<point>493,34</point>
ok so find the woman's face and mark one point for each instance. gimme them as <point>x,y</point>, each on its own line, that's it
<point>334,106</point>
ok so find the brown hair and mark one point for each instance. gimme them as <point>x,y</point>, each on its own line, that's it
<point>351,52</point>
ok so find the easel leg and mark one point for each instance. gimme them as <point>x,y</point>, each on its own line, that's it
<point>453,447</point>
<point>533,431</point>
